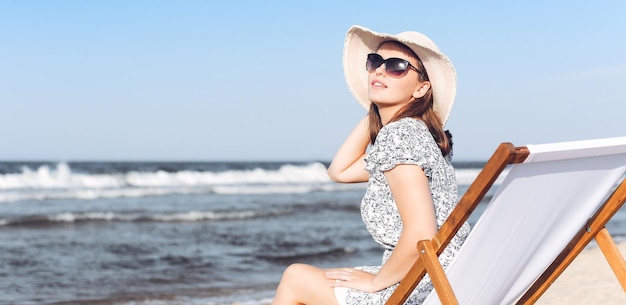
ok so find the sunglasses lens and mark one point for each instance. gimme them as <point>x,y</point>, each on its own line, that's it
<point>396,67</point>
<point>373,61</point>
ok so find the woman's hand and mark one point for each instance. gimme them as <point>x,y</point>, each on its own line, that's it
<point>351,278</point>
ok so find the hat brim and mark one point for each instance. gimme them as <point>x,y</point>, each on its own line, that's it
<point>361,41</point>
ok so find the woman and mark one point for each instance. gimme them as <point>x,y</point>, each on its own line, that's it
<point>408,85</point>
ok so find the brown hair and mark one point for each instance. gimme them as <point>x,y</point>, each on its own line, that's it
<point>421,108</point>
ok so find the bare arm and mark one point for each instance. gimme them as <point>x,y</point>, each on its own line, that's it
<point>348,165</point>
<point>411,191</point>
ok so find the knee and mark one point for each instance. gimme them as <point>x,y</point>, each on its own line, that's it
<point>294,272</point>
<point>290,285</point>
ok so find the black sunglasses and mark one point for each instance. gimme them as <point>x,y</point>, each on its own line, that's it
<point>395,67</point>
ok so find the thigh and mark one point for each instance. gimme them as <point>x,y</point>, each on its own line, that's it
<point>309,285</point>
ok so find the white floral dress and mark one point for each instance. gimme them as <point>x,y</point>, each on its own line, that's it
<point>406,141</point>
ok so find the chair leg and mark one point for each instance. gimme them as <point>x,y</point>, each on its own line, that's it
<point>437,274</point>
<point>613,255</point>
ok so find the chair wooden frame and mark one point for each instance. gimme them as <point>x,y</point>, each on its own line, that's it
<point>507,154</point>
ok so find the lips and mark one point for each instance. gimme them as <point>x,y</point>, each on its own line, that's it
<point>378,84</point>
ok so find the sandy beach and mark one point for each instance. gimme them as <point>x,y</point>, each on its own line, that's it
<point>588,280</point>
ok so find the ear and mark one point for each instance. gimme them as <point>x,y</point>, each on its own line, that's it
<point>421,89</point>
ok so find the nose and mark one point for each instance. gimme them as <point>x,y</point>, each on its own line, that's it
<point>380,69</point>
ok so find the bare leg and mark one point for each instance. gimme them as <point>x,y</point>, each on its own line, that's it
<point>304,284</point>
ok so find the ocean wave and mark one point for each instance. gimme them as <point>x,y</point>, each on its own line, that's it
<point>135,192</point>
<point>189,216</point>
<point>90,194</point>
<point>61,182</point>
<point>62,177</point>
<point>281,257</point>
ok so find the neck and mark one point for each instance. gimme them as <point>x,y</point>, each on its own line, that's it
<point>388,112</point>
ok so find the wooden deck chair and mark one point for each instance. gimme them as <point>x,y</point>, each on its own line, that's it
<point>554,200</point>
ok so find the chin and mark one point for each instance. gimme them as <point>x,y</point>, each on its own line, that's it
<point>380,103</point>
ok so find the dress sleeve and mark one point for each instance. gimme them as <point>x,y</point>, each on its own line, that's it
<point>403,142</point>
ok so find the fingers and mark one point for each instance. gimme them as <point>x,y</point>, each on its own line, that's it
<point>341,274</point>
<point>336,283</point>
<point>350,278</point>
<point>337,277</point>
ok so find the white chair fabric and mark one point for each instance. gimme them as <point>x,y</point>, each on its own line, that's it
<point>539,207</point>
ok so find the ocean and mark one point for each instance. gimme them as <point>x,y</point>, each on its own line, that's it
<point>163,233</point>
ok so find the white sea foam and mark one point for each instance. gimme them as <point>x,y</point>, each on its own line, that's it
<point>264,189</point>
<point>312,173</point>
<point>190,216</point>
<point>199,216</point>
<point>60,182</point>
<point>63,178</point>
<point>72,217</point>
<point>59,178</point>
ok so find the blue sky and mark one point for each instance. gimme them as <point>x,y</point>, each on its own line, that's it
<point>262,80</point>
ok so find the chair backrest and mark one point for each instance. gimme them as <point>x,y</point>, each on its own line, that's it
<point>536,211</point>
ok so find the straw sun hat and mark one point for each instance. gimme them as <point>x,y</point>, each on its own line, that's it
<point>361,41</point>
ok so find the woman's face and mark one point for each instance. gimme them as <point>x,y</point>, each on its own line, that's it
<point>387,91</point>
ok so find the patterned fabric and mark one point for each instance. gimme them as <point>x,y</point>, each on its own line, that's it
<point>406,141</point>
